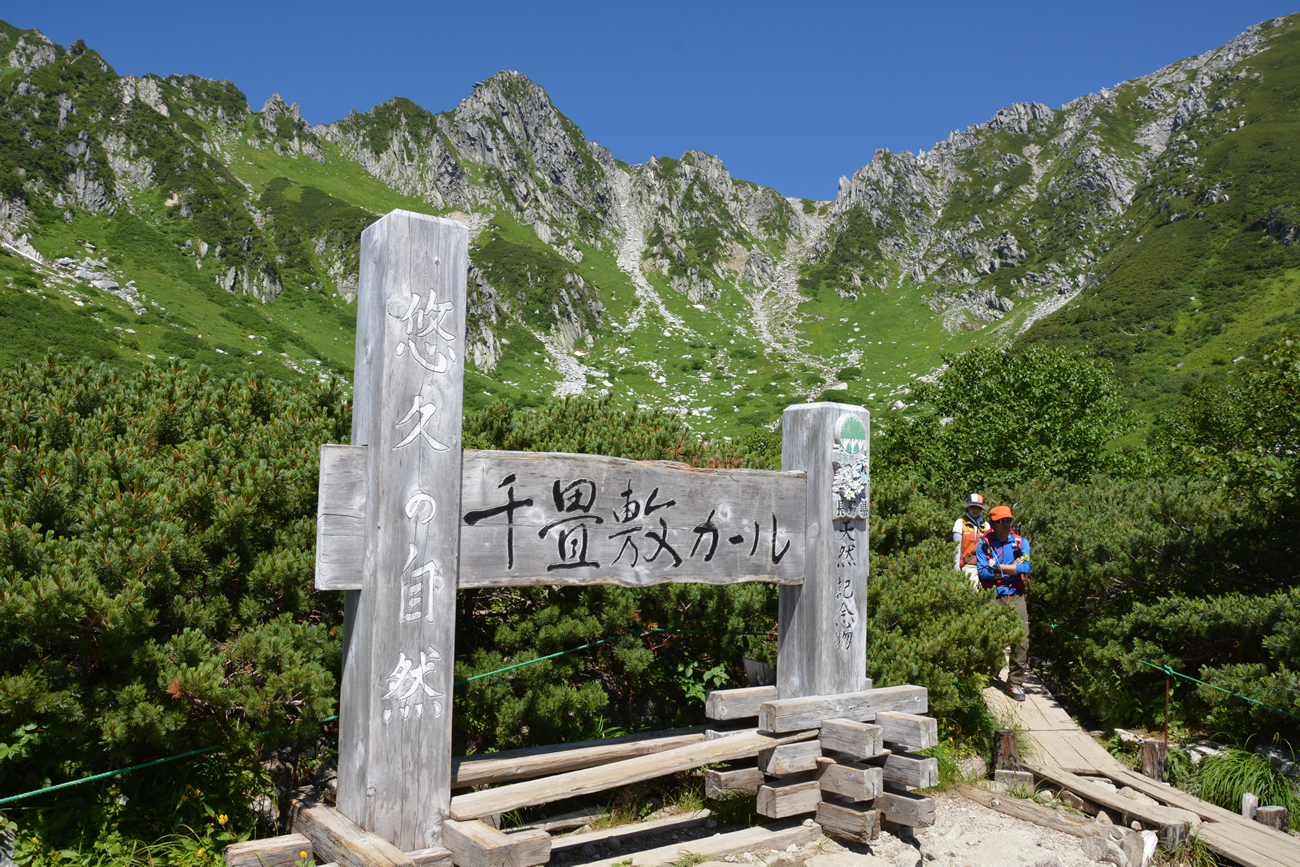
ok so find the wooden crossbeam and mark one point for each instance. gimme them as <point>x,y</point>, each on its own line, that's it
<point>335,838</point>
<point>505,767</point>
<point>796,714</point>
<point>585,782</point>
<point>731,704</point>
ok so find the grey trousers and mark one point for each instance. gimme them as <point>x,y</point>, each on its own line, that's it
<point>1018,662</point>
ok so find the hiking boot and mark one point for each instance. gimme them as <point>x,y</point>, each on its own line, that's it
<point>1018,693</point>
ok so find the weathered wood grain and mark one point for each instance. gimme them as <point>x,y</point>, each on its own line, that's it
<point>718,782</point>
<point>438,856</point>
<point>858,739</point>
<point>585,782</point>
<point>284,851</point>
<point>335,838</point>
<point>794,714</point>
<point>1171,822</point>
<point>782,799</point>
<point>584,519</point>
<point>848,822</point>
<point>654,827</point>
<point>399,632</point>
<point>1031,812</point>
<point>1272,817</point>
<point>905,808</point>
<point>511,765</point>
<point>914,772</point>
<point>852,780</point>
<point>908,730</point>
<point>822,623</point>
<point>341,517</point>
<point>790,758</point>
<point>476,844</point>
<point>775,836</point>
<point>733,704</point>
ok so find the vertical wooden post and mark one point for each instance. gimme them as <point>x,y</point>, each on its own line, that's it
<point>399,632</point>
<point>1153,758</point>
<point>1006,752</point>
<point>1249,805</point>
<point>822,624</point>
<point>1273,817</point>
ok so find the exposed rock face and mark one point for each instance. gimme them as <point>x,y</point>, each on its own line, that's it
<point>30,52</point>
<point>293,135</point>
<point>759,269</point>
<point>535,162</point>
<point>971,208</point>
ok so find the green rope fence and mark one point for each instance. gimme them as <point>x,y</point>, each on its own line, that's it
<point>202,750</point>
<point>1169,671</point>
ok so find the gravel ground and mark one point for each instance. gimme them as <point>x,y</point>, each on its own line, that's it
<point>965,834</point>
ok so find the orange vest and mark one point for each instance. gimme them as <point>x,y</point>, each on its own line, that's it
<point>970,536</point>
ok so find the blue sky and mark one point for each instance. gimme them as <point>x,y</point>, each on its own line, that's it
<point>790,95</point>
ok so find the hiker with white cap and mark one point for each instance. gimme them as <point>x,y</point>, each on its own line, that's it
<point>966,532</point>
<point>1003,560</point>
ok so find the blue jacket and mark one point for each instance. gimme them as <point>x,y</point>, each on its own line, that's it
<point>990,553</point>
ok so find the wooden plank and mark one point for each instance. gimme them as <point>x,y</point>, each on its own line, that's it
<point>476,844</point>
<point>905,808</point>
<point>335,838</point>
<point>779,799</point>
<point>796,714</point>
<point>1230,833</point>
<point>778,836</point>
<point>848,822</point>
<point>510,765</point>
<point>284,851</point>
<point>790,758</point>
<point>852,780</point>
<point>438,856</point>
<point>914,772</point>
<point>341,517</point>
<point>822,624</point>
<point>720,783</point>
<point>908,729</point>
<point>858,739</point>
<point>399,629</point>
<point>1230,842</point>
<point>585,782</point>
<point>1031,812</point>
<point>729,704</point>
<point>680,822</point>
<point>534,518</point>
<point>1171,822</point>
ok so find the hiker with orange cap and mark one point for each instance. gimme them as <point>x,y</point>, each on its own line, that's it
<point>1002,560</point>
<point>966,532</point>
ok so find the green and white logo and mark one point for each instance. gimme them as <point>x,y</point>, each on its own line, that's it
<point>850,434</point>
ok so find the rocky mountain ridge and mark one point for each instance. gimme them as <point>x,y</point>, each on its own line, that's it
<point>586,271</point>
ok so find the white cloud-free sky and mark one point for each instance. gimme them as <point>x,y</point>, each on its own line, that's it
<point>789,95</point>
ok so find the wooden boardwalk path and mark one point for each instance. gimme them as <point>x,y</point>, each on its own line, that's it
<point>1052,740</point>
<point>1047,734</point>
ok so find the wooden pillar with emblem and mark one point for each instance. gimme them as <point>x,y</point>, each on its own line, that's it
<point>822,623</point>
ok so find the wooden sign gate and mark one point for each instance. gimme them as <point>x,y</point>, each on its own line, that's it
<point>406,517</point>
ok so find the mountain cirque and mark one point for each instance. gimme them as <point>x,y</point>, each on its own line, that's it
<point>1154,222</point>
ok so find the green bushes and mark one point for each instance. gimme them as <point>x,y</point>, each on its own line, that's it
<point>156,558</point>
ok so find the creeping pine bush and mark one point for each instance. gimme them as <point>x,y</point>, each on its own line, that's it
<point>156,562</point>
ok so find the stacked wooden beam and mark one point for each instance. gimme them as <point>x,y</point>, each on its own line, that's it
<point>847,759</point>
<point>859,771</point>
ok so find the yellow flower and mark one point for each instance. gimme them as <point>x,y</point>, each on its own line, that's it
<point>302,854</point>
<point>223,818</point>
<point>36,839</point>
<point>202,852</point>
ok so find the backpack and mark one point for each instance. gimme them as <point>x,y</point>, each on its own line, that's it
<point>970,537</point>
